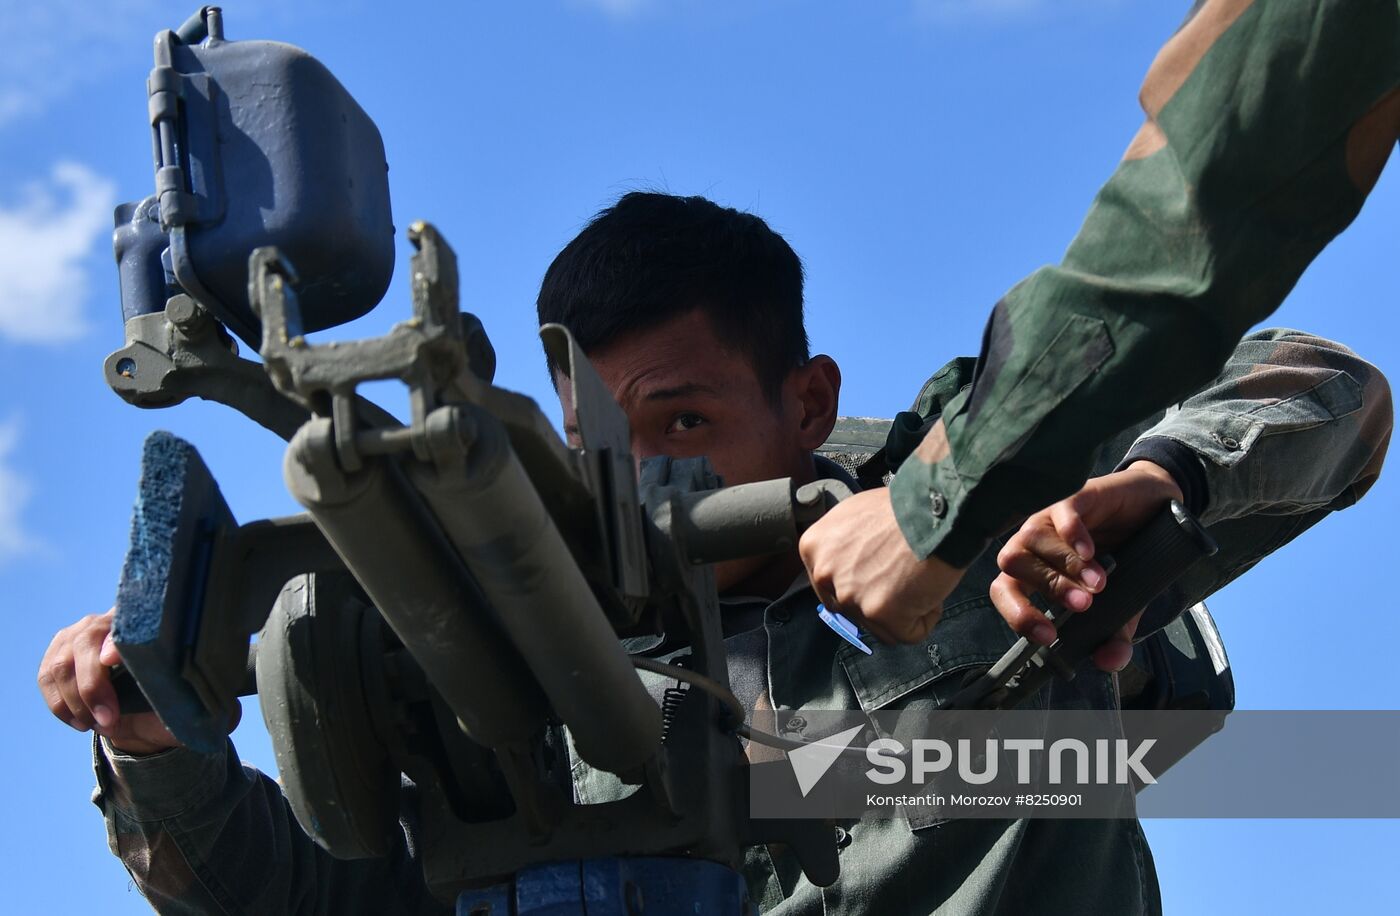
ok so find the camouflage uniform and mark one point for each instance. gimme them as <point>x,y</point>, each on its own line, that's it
<point>1268,122</point>
<point>1294,428</point>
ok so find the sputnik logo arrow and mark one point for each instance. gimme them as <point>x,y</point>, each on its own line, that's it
<point>810,763</point>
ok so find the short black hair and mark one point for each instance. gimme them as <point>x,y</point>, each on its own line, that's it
<point>652,257</point>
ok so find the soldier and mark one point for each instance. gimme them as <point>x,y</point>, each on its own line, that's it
<point>692,315</point>
<point>1268,123</point>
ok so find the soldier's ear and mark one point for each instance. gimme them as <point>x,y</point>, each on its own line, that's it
<point>815,390</point>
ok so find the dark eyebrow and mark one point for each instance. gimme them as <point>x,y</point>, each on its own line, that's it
<point>681,391</point>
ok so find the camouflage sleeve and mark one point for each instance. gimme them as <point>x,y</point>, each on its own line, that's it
<point>1268,122</point>
<point>204,834</point>
<point>1295,428</point>
<point>1293,423</point>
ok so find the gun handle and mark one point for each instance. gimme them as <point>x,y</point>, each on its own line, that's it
<point>1156,557</point>
<point>1143,568</point>
<point>131,700</point>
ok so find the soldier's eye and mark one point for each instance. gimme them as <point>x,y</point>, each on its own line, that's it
<point>685,422</point>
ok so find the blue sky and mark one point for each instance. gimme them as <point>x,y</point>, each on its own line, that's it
<point>921,156</point>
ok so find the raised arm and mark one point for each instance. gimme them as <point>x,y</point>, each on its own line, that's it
<point>1268,122</point>
<point>204,834</point>
<point>1292,423</point>
<point>1293,428</point>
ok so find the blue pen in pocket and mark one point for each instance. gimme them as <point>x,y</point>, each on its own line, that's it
<point>843,628</point>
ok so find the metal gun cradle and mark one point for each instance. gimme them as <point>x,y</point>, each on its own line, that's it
<point>464,586</point>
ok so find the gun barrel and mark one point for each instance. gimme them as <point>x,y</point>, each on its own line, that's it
<point>740,521</point>
<point>377,523</point>
<point>494,517</point>
<point>750,519</point>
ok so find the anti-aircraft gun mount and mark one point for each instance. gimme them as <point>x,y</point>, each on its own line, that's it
<point>459,586</point>
<point>504,566</point>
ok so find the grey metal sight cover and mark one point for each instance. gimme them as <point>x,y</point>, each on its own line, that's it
<point>256,143</point>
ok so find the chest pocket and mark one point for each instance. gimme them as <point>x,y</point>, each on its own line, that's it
<point>915,680</point>
<point>971,635</point>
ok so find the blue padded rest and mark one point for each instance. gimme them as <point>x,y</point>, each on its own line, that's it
<point>178,521</point>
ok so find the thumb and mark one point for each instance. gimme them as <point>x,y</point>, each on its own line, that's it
<point>108,654</point>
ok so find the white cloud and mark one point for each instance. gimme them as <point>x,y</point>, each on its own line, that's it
<point>15,491</point>
<point>44,236</point>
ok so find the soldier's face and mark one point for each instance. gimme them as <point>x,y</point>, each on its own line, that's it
<point>686,394</point>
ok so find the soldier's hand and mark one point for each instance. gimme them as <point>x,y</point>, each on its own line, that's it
<point>1053,553</point>
<point>861,566</point>
<point>75,679</point>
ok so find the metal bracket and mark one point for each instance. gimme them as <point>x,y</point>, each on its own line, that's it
<point>443,355</point>
<point>181,353</point>
<point>180,107</point>
<point>606,459</point>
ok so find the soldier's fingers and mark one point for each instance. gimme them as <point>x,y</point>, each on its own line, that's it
<point>94,682</point>
<point>1045,541</point>
<point>1024,618</point>
<point>50,671</point>
<point>1069,524</point>
<point>49,667</point>
<point>109,655</point>
<point>1036,574</point>
<point>826,594</point>
<point>889,621</point>
<point>1117,651</point>
<point>915,629</point>
<point>876,625</point>
<point>64,683</point>
<point>142,733</point>
<point>1114,654</point>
